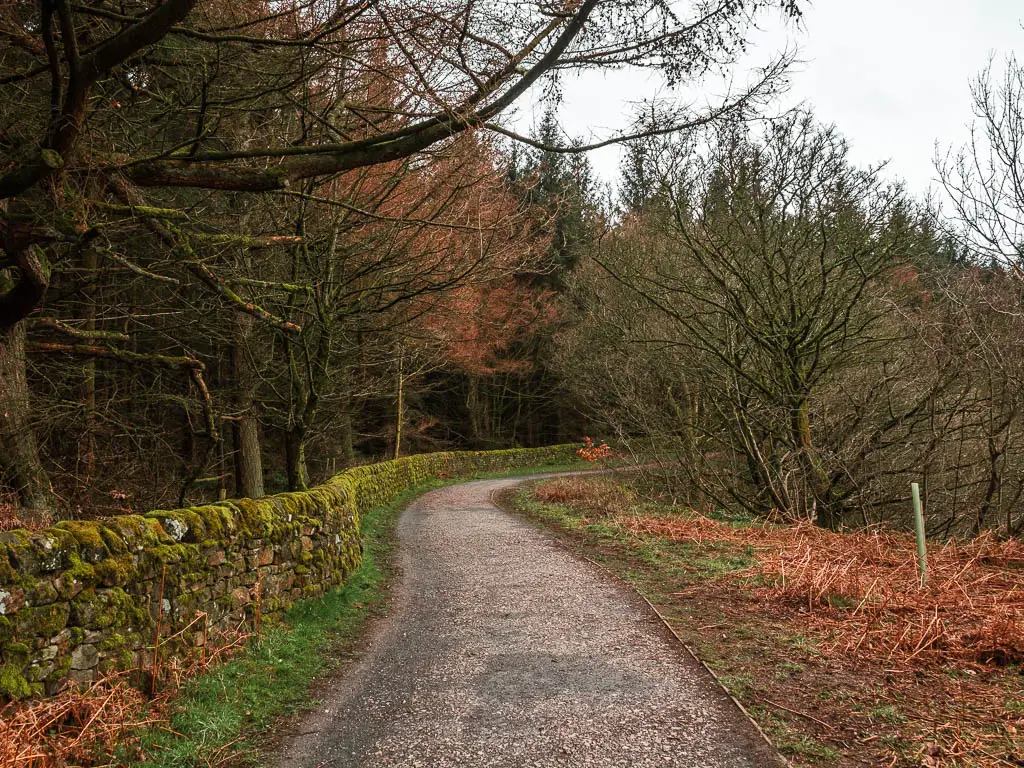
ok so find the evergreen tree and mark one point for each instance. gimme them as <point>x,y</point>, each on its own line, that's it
<point>638,182</point>
<point>563,186</point>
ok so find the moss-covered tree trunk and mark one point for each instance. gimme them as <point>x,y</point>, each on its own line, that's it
<point>20,466</point>
<point>346,433</point>
<point>295,459</point>
<point>828,513</point>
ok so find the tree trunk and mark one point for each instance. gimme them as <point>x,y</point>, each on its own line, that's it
<point>686,430</point>
<point>20,466</point>
<point>827,513</point>
<point>995,453</point>
<point>347,434</point>
<point>248,462</point>
<point>476,404</point>
<point>248,453</point>
<point>295,459</point>
<point>86,469</point>
<point>399,407</point>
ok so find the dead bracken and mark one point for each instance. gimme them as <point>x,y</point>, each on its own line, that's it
<point>829,638</point>
<point>865,587</point>
<point>88,726</point>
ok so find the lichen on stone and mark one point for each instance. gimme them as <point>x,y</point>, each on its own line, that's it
<point>176,528</point>
<point>89,538</point>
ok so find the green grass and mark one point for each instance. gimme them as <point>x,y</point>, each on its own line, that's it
<point>806,748</point>
<point>567,517</point>
<point>803,644</point>
<point>219,714</point>
<point>888,714</point>
<point>738,685</point>
<point>787,669</point>
<point>575,466</point>
<point>678,560</point>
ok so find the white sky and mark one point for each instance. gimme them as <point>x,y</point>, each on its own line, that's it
<point>892,75</point>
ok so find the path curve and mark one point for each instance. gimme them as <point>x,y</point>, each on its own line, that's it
<point>503,649</point>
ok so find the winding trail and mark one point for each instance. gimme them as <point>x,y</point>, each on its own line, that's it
<point>504,649</point>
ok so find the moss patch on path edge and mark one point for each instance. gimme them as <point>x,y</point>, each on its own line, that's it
<point>220,716</point>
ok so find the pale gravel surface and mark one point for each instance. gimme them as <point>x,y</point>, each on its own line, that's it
<point>503,649</point>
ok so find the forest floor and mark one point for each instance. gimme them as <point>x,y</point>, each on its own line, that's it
<point>828,640</point>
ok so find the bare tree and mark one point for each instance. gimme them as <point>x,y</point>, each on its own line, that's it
<point>767,277</point>
<point>984,180</point>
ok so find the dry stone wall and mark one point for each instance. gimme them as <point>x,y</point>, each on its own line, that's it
<point>84,597</point>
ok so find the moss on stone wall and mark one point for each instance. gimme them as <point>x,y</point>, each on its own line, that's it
<point>85,596</point>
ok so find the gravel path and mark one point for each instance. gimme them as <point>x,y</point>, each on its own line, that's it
<point>503,649</point>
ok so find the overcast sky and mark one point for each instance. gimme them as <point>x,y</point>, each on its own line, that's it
<point>893,75</point>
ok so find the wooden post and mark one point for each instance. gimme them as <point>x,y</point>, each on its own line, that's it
<point>922,552</point>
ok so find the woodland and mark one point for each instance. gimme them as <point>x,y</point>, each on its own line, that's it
<point>245,245</point>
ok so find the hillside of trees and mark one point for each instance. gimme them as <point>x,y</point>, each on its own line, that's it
<point>245,245</point>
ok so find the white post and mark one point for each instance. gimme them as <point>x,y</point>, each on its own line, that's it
<point>922,552</point>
